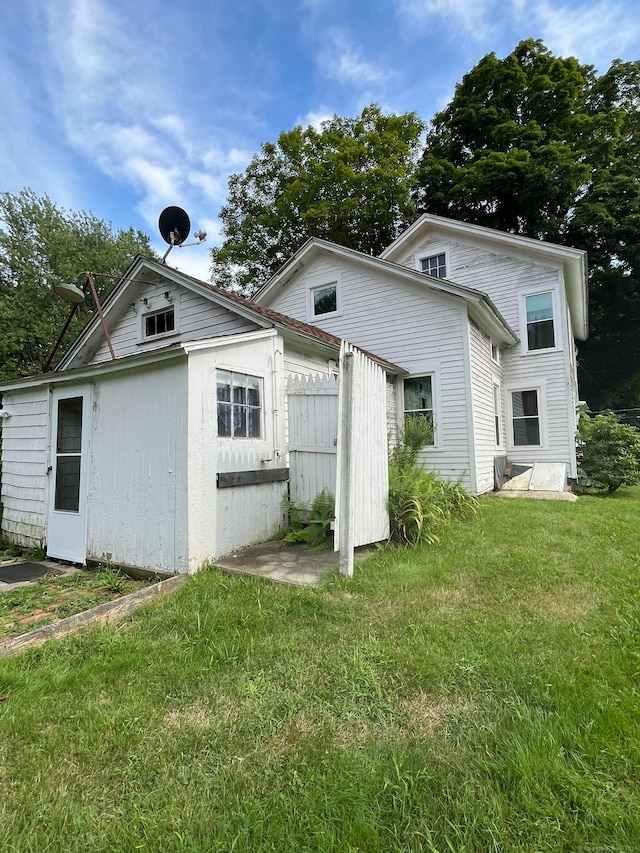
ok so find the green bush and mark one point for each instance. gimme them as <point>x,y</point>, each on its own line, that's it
<point>419,502</point>
<point>608,454</point>
<point>317,531</point>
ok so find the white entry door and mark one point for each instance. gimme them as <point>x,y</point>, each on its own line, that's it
<point>67,528</point>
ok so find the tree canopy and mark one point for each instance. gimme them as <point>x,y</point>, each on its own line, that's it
<point>541,146</point>
<point>40,246</point>
<point>348,182</point>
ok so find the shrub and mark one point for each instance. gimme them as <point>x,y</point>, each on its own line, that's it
<point>419,502</point>
<point>608,454</point>
<point>317,531</point>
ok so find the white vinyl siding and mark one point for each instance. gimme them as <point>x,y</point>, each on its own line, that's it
<point>410,326</point>
<point>483,376</point>
<point>25,457</point>
<point>196,317</point>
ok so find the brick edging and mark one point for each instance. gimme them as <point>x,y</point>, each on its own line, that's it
<point>110,611</point>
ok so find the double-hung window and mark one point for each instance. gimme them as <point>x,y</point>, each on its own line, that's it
<point>435,265</point>
<point>540,322</point>
<point>525,411</point>
<point>239,398</point>
<point>418,398</point>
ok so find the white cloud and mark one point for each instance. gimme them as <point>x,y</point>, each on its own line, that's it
<point>343,62</point>
<point>595,34</point>
<point>472,17</point>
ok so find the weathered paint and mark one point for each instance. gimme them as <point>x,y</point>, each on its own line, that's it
<point>222,520</point>
<point>25,460</point>
<point>138,477</point>
<point>313,433</point>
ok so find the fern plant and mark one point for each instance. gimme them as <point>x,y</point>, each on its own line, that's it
<point>317,532</point>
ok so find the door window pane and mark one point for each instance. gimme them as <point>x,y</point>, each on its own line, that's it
<point>68,460</point>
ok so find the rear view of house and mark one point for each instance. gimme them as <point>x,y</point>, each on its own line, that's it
<point>169,440</point>
<point>482,321</point>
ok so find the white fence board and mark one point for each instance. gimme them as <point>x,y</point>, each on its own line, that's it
<point>313,430</point>
<point>363,474</point>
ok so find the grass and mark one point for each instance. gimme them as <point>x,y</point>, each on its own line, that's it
<point>51,598</point>
<point>479,695</point>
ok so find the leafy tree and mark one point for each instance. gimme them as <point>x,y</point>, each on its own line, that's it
<point>540,146</point>
<point>40,246</point>
<point>608,454</point>
<point>349,182</point>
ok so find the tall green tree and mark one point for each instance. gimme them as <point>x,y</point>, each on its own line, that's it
<point>40,246</point>
<point>349,182</point>
<point>541,146</point>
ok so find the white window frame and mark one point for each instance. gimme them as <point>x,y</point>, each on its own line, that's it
<point>557,325</point>
<point>433,252</point>
<point>540,389</point>
<point>230,403</point>
<point>435,401</point>
<point>498,421</point>
<point>316,284</point>
<point>156,304</point>
<point>496,353</point>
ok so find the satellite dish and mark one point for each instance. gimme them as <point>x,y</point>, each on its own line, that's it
<point>174,225</point>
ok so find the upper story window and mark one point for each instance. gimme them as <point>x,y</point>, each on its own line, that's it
<point>325,300</point>
<point>540,322</point>
<point>418,399</point>
<point>159,322</point>
<point>324,296</point>
<point>239,399</point>
<point>495,352</point>
<point>435,265</point>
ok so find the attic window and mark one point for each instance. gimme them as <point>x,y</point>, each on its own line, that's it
<point>325,300</point>
<point>159,323</point>
<point>436,265</point>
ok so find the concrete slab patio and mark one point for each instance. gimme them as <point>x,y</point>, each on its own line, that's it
<point>292,564</point>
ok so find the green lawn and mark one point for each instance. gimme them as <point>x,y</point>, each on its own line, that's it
<point>479,695</point>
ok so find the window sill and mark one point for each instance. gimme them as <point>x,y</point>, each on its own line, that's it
<point>164,336</point>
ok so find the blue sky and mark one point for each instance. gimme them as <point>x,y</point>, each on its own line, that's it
<point>122,108</point>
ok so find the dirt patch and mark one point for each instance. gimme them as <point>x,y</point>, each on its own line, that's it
<point>564,602</point>
<point>54,597</point>
<point>425,713</point>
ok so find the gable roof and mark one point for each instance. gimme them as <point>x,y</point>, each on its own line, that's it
<point>263,317</point>
<point>481,308</point>
<point>573,261</point>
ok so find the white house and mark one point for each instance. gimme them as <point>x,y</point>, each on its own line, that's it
<point>175,451</point>
<point>484,323</point>
<point>179,449</point>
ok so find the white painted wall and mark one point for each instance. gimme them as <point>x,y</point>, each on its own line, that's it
<point>196,317</point>
<point>138,474</point>
<point>484,372</point>
<point>223,520</point>
<point>419,330</point>
<point>25,455</point>
<point>506,279</point>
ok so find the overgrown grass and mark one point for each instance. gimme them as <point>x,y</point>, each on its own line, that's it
<point>51,598</point>
<point>478,695</point>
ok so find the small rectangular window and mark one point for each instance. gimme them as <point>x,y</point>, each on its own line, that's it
<point>540,331</point>
<point>239,399</point>
<point>526,418</point>
<point>435,265</point>
<point>325,300</point>
<point>496,413</point>
<point>418,399</point>
<point>159,323</point>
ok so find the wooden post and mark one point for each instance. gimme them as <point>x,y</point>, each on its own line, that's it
<point>346,468</point>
